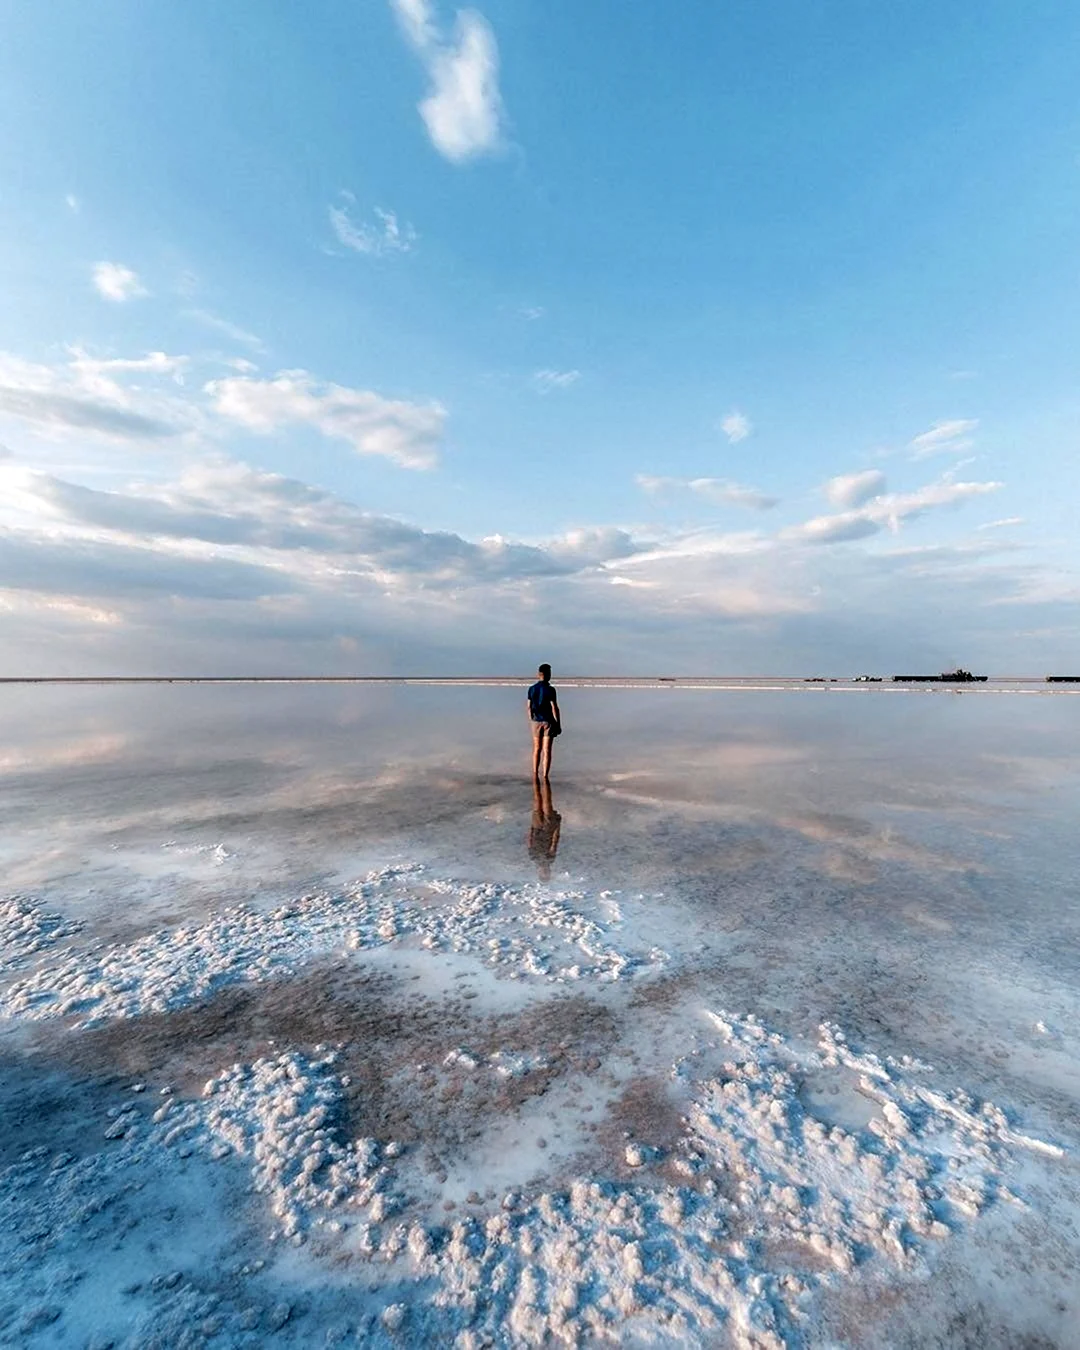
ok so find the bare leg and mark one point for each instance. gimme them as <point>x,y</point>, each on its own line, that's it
<point>538,742</point>
<point>545,755</point>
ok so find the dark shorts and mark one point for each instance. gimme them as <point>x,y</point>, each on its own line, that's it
<point>540,730</point>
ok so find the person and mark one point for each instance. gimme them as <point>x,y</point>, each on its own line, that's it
<point>544,830</point>
<point>543,707</point>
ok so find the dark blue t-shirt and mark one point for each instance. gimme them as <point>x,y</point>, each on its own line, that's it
<point>541,696</point>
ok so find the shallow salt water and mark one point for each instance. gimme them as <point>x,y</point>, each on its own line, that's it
<point>320,1026</point>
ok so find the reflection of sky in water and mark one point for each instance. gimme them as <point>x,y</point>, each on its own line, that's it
<point>840,856</point>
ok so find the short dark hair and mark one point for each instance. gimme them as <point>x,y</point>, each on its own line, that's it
<point>544,670</point>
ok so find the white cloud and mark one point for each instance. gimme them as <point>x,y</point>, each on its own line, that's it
<point>72,203</point>
<point>230,330</point>
<point>96,374</point>
<point>718,490</point>
<point>700,544</point>
<point>407,433</point>
<point>122,398</point>
<point>547,380</point>
<point>418,22</point>
<point>257,569</point>
<point>735,576</point>
<point>944,438</point>
<point>841,528</point>
<point>736,426</point>
<point>1003,524</point>
<point>888,510</point>
<point>532,312</point>
<point>227,512</point>
<point>85,396</point>
<point>852,489</point>
<point>464,112</point>
<point>118,283</point>
<point>378,239</point>
<point>584,547</point>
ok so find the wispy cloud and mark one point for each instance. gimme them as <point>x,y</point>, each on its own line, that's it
<point>944,438</point>
<point>84,396</point>
<point>1003,524</point>
<point>841,528</point>
<point>852,489</point>
<point>113,281</point>
<point>464,111</point>
<point>225,327</point>
<point>889,510</point>
<point>72,203</point>
<point>736,426</point>
<point>378,238</point>
<point>406,433</point>
<point>718,490</point>
<point>545,381</point>
<point>98,373</point>
<point>532,312</point>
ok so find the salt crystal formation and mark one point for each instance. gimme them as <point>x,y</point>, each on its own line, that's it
<point>283,1116</point>
<point>799,1163</point>
<point>926,1160</point>
<point>775,1202</point>
<point>517,930</point>
<point>25,930</point>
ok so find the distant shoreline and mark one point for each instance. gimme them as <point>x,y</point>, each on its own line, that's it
<point>995,684</point>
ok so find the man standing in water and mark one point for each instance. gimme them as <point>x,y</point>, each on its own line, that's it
<point>543,705</point>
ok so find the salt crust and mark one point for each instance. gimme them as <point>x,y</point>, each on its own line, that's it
<point>729,1235</point>
<point>25,930</point>
<point>772,1202</point>
<point>517,930</point>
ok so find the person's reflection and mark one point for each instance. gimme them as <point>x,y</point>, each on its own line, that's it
<point>544,830</point>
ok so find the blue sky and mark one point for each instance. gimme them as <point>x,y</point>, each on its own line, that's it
<point>385,335</point>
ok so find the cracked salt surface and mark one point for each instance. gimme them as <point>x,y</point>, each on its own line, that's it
<point>519,930</point>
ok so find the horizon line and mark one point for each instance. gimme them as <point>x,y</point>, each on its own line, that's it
<point>507,679</point>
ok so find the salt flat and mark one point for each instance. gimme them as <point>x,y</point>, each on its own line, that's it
<point>306,1042</point>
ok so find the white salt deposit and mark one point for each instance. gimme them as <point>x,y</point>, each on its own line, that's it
<point>506,1063</point>
<point>772,1201</point>
<point>283,1117</point>
<point>797,1167</point>
<point>521,931</point>
<point>25,930</point>
<point>216,854</point>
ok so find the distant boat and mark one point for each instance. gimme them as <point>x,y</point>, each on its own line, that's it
<point>867,679</point>
<point>958,676</point>
<point>1063,679</point>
